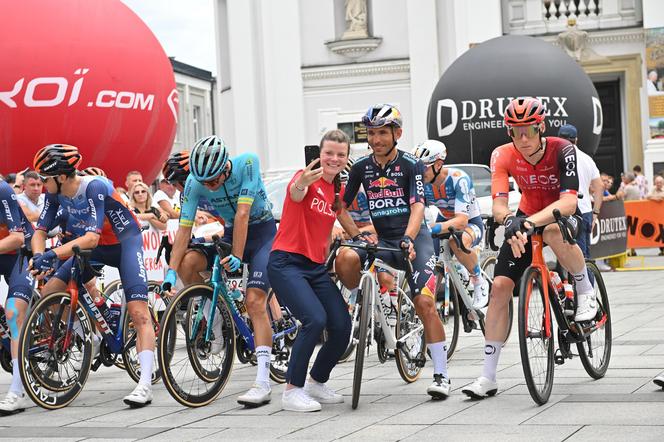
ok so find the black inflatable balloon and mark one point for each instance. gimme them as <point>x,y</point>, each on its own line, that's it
<point>467,105</point>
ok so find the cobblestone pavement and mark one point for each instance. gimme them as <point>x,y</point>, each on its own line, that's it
<point>625,404</point>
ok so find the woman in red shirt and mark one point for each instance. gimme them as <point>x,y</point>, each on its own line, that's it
<point>298,275</point>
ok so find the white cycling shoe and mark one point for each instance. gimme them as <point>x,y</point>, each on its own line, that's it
<point>14,403</point>
<point>481,388</point>
<point>440,388</point>
<point>322,393</point>
<point>481,295</point>
<point>659,380</point>
<point>256,396</point>
<point>140,397</point>
<point>297,399</point>
<point>586,308</point>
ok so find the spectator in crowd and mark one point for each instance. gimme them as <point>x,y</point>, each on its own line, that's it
<point>629,187</point>
<point>206,226</point>
<point>608,185</point>
<point>141,203</point>
<point>10,179</point>
<point>31,199</point>
<point>591,189</point>
<point>641,181</point>
<point>657,194</point>
<point>652,83</point>
<point>167,198</point>
<point>133,177</point>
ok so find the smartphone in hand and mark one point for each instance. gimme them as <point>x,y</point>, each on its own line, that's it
<point>311,152</point>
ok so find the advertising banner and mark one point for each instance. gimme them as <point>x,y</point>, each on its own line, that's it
<point>609,237</point>
<point>645,223</point>
<point>654,86</point>
<point>467,106</point>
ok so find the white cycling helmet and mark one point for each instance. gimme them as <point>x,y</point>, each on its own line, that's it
<point>430,151</point>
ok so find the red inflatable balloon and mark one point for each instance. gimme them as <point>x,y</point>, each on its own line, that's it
<point>86,73</point>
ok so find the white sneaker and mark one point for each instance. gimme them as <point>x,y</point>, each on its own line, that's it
<point>603,266</point>
<point>440,388</point>
<point>659,380</point>
<point>13,403</point>
<point>322,393</point>
<point>140,397</point>
<point>256,396</point>
<point>586,308</point>
<point>296,399</point>
<point>217,344</point>
<point>481,294</point>
<point>481,388</point>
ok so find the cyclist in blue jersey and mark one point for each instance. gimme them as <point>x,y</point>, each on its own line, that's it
<point>15,231</point>
<point>393,181</point>
<point>451,191</point>
<point>233,186</point>
<point>89,201</point>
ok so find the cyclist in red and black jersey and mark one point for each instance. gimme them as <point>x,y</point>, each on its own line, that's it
<point>546,172</point>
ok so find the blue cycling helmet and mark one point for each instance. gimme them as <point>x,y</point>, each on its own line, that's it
<point>380,115</point>
<point>208,158</point>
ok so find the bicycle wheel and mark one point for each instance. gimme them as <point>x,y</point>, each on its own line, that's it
<point>129,352</point>
<point>54,368</point>
<point>354,331</point>
<point>451,320</point>
<point>281,349</point>
<point>195,370</point>
<point>488,267</point>
<point>535,347</point>
<point>595,351</point>
<point>364,294</point>
<point>412,350</point>
<point>114,292</point>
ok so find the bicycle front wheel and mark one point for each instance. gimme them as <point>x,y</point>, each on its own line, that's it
<point>595,351</point>
<point>364,294</point>
<point>195,370</point>
<point>54,362</point>
<point>409,356</point>
<point>535,338</point>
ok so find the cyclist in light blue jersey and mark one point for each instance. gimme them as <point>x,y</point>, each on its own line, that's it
<point>451,190</point>
<point>234,188</point>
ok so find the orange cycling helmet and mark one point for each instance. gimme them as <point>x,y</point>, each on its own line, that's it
<point>524,111</point>
<point>92,171</point>
<point>57,159</point>
<point>176,167</point>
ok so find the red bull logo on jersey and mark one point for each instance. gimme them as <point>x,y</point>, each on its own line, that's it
<point>382,183</point>
<point>385,193</point>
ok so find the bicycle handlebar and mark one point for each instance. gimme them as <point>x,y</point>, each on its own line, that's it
<point>565,225</point>
<point>83,259</point>
<point>371,249</point>
<point>455,234</point>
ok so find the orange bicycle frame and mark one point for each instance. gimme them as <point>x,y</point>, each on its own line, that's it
<point>538,262</point>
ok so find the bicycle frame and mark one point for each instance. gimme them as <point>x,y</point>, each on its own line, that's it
<point>219,282</point>
<point>538,262</point>
<point>369,275</point>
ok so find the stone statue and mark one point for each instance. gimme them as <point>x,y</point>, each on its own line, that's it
<point>356,19</point>
<point>575,43</point>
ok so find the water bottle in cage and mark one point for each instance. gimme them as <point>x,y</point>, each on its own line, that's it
<point>385,302</point>
<point>392,317</point>
<point>569,299</point>
<point>557,284</point>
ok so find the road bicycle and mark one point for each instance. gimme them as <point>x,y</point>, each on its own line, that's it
<point>203,328</point>
<point>407,336</point>
<point>538,297</point>
<point>455,307</point>
<point>56,342</point>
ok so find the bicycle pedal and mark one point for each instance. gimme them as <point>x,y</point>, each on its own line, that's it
<point>558,358</point>
<point>96,364</point>
<point>468,326</point>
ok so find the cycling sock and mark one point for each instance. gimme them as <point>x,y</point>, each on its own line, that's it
<point>491,356</point>
<point>16,385</point>
<point>146,359</point>
<point>439,357</point>
<point>263,353</point>
<point>582,281</point>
